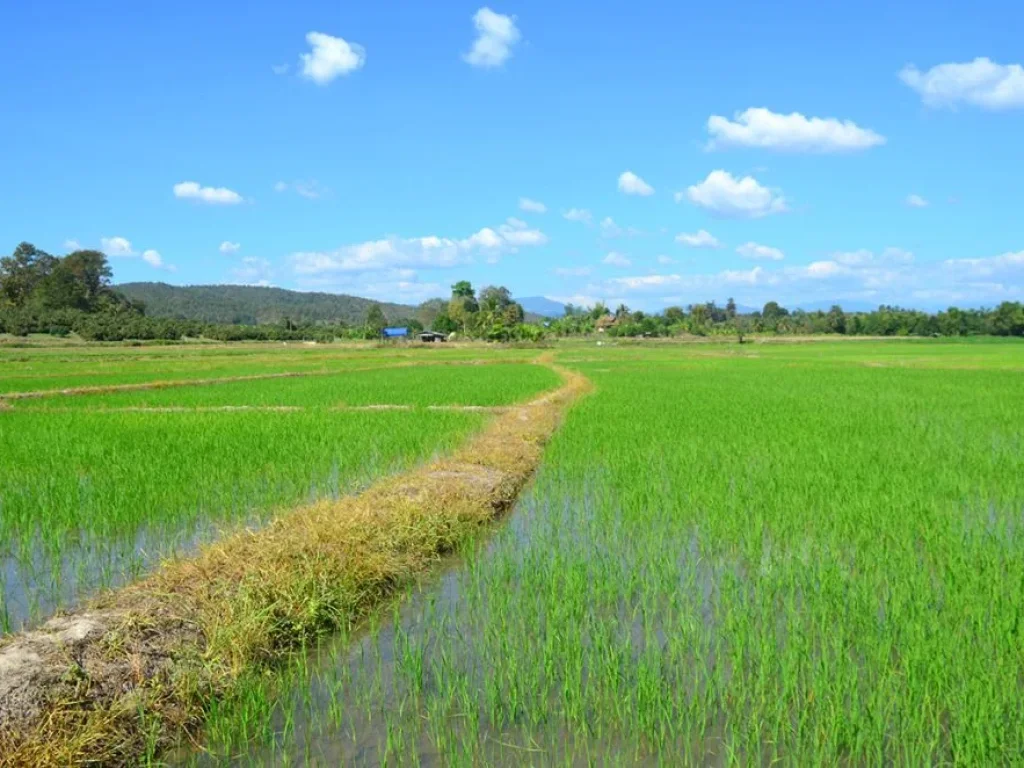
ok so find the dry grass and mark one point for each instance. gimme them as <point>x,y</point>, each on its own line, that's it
<point>150,657</point>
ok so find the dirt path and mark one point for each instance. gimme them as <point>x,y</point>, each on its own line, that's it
<point>141,664</point>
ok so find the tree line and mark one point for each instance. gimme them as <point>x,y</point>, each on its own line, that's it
<point>42,293</point>
<point>710,319</point>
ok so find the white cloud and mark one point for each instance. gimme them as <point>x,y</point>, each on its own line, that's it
<point>578,300</point>
<point>891,276</point>
<point>395,252</point>
<point>578,214</point>
<point>572,271</point>
<point>916,201</point>
<point>722,194</point>
<point>988,267</point>
<point>485,238</point>
<point>854,258</point>
<point>752,250</point>
<point>516,232</point>
<point>72,245</point>
<point>762,128</point>
<point>700,239</point>
<point>191,190</point>
<point>154,259</point>
<point>532,206</point>
<point>750,276</point>
<point>116,246</point>
<point>616,259</point>
<point>402,291</point>
<point>496,34</point>
<point>981,83</point>
<point>820,269</point>
<point>253,271</point>
<point>280,69</point>
<point>666,260</point>
<point>864,257</point>
<point>228,247</point>
<point>609,228</point>
<point>311,189</point>
<point>330,57</point>
<point>645,281</point>
<point>631,184</point>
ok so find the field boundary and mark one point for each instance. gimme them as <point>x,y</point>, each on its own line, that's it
<point>130,674</point>
<point>102,389</point>
<point>276,408</point>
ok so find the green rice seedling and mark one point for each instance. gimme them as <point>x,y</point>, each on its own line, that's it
<point>795,554</point>
<point>422,386</point>
<point>26,370</point>
<point>92,500</point>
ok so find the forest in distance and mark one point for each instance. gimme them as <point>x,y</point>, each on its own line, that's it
<point>45,294</point>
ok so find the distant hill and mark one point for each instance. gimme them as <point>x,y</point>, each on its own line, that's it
<point>254,305</point>
<point>543,306</point>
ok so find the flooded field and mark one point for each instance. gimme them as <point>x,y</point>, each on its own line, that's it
<point>725,559</point>
<point>796,554</point>
<point>97,488</point>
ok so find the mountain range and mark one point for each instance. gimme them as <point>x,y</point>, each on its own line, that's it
<point>255,305</point>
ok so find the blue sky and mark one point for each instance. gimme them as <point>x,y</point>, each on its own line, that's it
<point>653,153</point>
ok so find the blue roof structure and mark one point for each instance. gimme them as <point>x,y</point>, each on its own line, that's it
<point>394,333</point>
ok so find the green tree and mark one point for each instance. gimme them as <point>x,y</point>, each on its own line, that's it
<point>91,271</point>
<point>463,310</point>
<point>1008,319</point>
<point>429,310</point>
<point>494,298</point>
<point>772,311</point>
<point>699,316</point>
<point>21,273</point>
<point>444,324</point>
<point>375,320</point>
<point>463,306</point>
<point>674,315</point>
<point>836,319</point>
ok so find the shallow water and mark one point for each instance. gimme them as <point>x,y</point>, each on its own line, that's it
<point>36,582</point>
<point>415,687</point>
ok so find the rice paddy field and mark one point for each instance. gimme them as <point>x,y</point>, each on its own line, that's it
<point>95,489</point>
<point>775,553</point>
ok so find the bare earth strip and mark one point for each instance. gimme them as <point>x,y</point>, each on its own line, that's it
<point>142,663</point>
